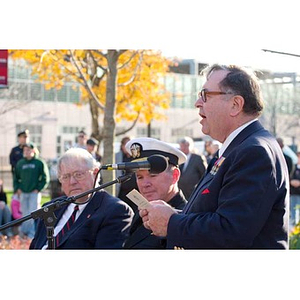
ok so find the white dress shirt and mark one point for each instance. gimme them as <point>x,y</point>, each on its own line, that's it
<point>232,135</point>
<point>65,217</point>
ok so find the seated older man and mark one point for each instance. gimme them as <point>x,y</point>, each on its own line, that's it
<point>95,221</point>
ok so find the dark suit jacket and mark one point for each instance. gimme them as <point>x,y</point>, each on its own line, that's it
<point>193,172</point>
<point>241,203</point>
<point>103,224</point>
<point>141,238</point>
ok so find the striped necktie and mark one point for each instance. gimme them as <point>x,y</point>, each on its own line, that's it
<point>67,226</point>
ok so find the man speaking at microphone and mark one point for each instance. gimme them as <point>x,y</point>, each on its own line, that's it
<point>154,183</point>
<point>242,201</point>
<point>95,221</point>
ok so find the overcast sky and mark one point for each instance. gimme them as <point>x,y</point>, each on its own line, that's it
<point>237,31</point>
<point>210,31</point>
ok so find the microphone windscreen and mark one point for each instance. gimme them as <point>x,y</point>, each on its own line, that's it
<point>158,163</point>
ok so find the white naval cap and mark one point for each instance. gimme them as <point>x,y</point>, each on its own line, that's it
<point>144,147</point>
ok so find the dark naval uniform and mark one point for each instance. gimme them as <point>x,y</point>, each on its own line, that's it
<point>142,238</point>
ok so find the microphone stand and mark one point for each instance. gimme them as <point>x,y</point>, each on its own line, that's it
<point>47,212</point>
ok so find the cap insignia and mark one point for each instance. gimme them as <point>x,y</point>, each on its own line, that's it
<point>136,150</point>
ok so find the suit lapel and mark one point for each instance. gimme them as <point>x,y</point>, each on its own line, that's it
<point>207,178</point>
<point>88,211</point>
<point>255,126</point>
<point>184,167</point>
<point>58,213</point>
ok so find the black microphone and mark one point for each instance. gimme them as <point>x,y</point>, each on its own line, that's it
<point>155,164</point>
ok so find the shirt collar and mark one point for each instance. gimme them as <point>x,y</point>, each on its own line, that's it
<point>232,135</point>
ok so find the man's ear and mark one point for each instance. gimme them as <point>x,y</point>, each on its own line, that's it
<point>176,175</point>
<point>95,171</point>
<point>237,105</point>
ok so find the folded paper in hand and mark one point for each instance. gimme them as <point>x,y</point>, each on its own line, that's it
<point>138,199</point>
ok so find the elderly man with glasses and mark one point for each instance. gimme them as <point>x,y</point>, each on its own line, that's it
<point>242,200</point>
<point>95,221</point>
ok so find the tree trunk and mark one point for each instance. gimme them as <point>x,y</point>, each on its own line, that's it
<point>109,118</point>
<point>95,119</point>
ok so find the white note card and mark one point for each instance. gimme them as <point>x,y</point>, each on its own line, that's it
<point>138,199</point>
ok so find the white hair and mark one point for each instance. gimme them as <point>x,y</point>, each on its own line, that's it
<point>187,140</point>
<point>80,154</point>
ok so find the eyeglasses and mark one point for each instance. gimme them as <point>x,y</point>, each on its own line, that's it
<point>78,175</point>
<point>204,92</point>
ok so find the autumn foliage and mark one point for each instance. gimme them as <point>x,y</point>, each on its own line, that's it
<point>14,243</point>
<point>117,84</point>
<point>139,89</point>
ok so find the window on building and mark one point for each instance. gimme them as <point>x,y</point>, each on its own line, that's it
<point>58,146</point>
<point>178,133</point>
<point>72,129</point>
<point>143,131</point>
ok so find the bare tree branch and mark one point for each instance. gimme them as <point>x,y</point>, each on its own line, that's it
<point>129,60</point>
<point>65,68</point>
<point>96,61</point>
<point>101,53</point>
<point>120,52</point>
<point>95,79</point>
<point>134,72</point>
<point>90,91</point>
<point>42,58</point>
<point>12,104</point>
<point>129,128</point>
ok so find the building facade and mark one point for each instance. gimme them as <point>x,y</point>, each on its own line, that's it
<point>54,117</point>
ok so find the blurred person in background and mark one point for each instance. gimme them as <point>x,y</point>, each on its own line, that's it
<point>211,147</point>
<point>122,189</point>
<point>15,155</point>
<point>295,195</point>
<point>91,147</point>
<point>193,169</point>
<point>288,158</point>
<point>15,207</point>
<point>16,152</point>
<point>81,140</point>
<point>31,177</point>
<point>5,213</point>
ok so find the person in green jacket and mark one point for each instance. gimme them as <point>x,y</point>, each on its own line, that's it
<point>30,178</point>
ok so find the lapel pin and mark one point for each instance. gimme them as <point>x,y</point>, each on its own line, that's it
<point>217,165</point>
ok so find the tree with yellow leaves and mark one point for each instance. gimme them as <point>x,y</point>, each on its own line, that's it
<point>119,84</point>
